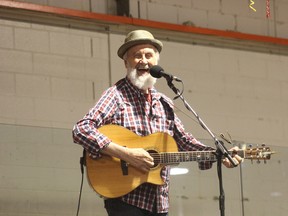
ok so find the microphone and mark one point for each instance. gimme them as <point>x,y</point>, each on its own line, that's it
<point>157,72</point>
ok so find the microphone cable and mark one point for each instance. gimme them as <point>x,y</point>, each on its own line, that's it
<point>82,164</point>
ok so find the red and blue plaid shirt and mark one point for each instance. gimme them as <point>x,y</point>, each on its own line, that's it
<point>125,105</point>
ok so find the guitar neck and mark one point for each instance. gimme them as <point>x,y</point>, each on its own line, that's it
<point>178,157</point>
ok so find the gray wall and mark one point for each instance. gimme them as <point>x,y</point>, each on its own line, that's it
<point>50,76</point>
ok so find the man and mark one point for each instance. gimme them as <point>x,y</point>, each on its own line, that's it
<point>135,104</point>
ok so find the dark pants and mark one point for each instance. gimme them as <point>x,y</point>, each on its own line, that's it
<point>116,207</point>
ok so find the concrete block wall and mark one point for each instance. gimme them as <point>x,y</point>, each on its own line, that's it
<point>61,72</point>
<point>230,15</point>
<point>241,92</point>
<point>49,71</point>
<point>98,6</point>
<point>50,76</point>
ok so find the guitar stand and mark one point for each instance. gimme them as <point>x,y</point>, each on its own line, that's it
<point>221,149</point>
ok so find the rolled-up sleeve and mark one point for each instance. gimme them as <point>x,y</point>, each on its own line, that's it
<point>187,142</point>
<point>85,132</point>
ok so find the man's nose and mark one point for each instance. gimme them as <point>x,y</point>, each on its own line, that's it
<point>143,60</point>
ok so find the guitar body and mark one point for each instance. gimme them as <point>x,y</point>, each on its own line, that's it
<point>111,177</point>
<point>105,175</point>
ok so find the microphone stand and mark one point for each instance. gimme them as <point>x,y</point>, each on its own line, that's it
<point>221,149</point>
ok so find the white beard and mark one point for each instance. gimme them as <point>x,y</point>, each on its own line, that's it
<point>143,82</point>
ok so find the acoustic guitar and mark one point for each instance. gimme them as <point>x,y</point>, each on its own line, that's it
<point>111,177</point>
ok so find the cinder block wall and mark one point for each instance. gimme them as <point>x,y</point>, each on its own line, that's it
<point>50,76</point>
<point>230,15</point>
<point>48,73</point>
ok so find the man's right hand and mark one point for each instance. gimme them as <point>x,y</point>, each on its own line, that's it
<point>136,157</point>
<point>140,159</point>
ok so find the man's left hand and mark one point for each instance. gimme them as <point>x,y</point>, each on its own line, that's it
<point>237,159</point>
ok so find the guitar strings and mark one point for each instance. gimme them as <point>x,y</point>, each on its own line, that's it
<point>166,157</point>
<point>184,156</point>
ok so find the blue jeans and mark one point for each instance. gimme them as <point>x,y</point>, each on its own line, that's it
<point>116,207</point>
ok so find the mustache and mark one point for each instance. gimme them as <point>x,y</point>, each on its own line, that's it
<point>141,66</point>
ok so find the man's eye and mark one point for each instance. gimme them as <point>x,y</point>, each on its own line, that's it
<point>148,56</point>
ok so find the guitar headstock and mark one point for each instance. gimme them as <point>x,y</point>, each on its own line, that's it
<point>259,154</point>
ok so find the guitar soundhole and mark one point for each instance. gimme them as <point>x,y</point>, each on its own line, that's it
<point>156,157</point>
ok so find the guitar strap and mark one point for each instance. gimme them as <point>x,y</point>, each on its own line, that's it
<point>83,161</point>
<point>124,167</point>
<point>168,108</point>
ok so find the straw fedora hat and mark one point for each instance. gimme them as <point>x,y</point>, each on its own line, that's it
<point>138,37</point>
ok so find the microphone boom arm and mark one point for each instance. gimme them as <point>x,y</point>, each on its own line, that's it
<point>218,144</point>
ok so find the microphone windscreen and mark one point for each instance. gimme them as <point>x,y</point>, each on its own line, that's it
<point>156,71</point>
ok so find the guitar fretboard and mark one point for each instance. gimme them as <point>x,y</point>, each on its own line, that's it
<point>177,157</point>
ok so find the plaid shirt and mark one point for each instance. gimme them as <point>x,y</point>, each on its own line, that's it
<point>125,105</point>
